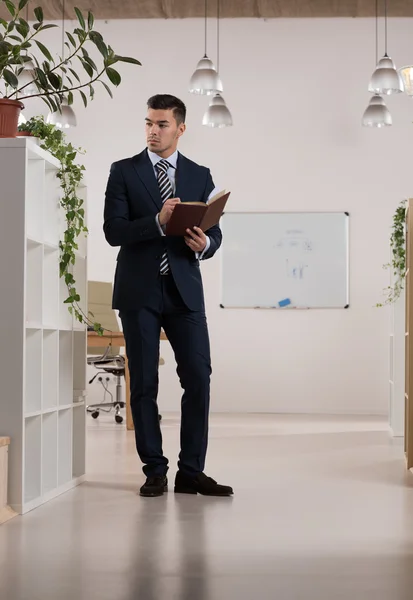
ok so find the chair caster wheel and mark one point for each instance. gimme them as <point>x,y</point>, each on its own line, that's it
<point>95,414</point>
<point>118,419</point>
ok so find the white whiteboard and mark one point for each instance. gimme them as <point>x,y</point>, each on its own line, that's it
<point>268,258</point>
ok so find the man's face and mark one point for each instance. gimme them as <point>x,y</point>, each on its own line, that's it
<point>162,132</point>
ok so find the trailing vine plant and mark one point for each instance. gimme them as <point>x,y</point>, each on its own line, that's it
<point>398,250</point>
<point>70,175</point>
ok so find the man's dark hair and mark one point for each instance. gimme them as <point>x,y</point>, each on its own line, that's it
<point>168,102</point>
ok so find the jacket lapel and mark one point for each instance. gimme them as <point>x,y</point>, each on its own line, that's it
<point>181,177</point>
<point>144,169</point>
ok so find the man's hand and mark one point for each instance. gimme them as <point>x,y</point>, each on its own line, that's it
<point>167,210</point>
<point>196,239</point>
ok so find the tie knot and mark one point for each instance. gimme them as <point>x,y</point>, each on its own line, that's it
<point>163,165</point>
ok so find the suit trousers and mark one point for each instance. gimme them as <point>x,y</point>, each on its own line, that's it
<point>187,333</point>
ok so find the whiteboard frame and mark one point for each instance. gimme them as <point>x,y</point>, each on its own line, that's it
<point>290,212</point>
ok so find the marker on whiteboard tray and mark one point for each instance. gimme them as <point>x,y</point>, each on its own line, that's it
<point>284,302</point>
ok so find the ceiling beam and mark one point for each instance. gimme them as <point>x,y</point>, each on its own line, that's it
<point>181,9</point>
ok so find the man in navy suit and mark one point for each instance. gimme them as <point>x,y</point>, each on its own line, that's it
<point>158,284</point>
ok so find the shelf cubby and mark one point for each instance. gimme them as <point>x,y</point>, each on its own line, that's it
<point>51,208</point>
<point>50,369</point>
<point>33,368</point>
<point>34,281</point>
<point>51,287</point>
<point>65,368</point>
<point>49,452</point>
<point>32,458</point>
<point>65,445</point>
<point>35,187</point>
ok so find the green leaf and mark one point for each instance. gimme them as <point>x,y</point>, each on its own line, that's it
<point>109,91</point>
<point>10,8</point>
<point>45,51</point>
<point>54,104</point>
<point>80,34</point>
<point>22,4</point>
<point>3,22</point>
<point>39,14</point>
<point>80,18</point>
<point>92,92</point>
<point>55,80</point>
<point>83,98</point>
<point>70,98</point>
<point>86,67</point>
<point>114,76</point>
<point>4,48</point>
<point>48,26</point>
<point>10,78</point>
<point>24,32</point>
<point>90,20</point>
<point>127,59</point>
<point>75,74</point>
<point>71,39</point>
<point>14,37</point>
<point>97,39</point>
<point>42,79</point>
<point>91,63</point>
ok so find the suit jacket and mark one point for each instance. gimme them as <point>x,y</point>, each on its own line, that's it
<point>132,202</point>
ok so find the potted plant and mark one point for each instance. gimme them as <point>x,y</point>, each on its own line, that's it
<point>23,73</point>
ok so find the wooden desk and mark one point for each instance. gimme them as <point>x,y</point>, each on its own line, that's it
<point>116,339</point>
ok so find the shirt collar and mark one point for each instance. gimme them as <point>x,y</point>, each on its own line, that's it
<point>172,160</point>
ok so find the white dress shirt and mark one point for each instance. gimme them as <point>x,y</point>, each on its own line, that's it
<point>173,160</point>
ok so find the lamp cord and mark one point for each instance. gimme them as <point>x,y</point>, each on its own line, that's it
<point>217,36</point>
<point>377,31</point>
<point>206,27</point>
<point>63,30</point>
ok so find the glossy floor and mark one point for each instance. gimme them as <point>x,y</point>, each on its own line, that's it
<point>323,509</point>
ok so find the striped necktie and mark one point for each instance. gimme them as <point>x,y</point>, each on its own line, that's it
<point>165,188</point>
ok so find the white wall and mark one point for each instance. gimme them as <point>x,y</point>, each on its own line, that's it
<point>297,90</point>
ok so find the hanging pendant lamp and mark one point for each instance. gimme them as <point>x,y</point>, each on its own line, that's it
<point>377,114</point>
<point>217,114</point>
<point>205,79</point>
<point>64,117</point>
<point>406,74</point>
<point>385,79</point>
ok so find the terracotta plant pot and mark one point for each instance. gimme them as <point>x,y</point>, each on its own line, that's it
<point>9,117</point>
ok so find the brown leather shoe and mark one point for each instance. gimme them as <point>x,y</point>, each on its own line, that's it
<point>154,486</point>
<point>200,484</point>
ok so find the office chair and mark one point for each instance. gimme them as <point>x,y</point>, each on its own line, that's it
<point>107,360</point>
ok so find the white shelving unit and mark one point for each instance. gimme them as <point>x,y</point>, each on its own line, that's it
<point>43,360</point>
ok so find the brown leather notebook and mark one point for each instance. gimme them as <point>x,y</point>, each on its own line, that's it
<point>187,215</point>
